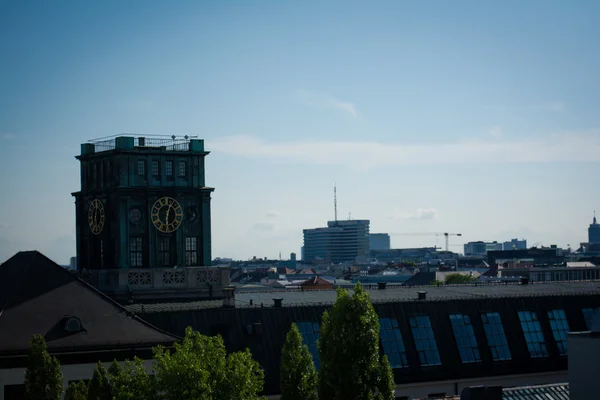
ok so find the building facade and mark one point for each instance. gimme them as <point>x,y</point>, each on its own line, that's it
<point>515,244</point>
<point>339,242</point>
<point>143,210</point>
<point>594,231</point>
<point>481,248</point>
<point>379,241</point>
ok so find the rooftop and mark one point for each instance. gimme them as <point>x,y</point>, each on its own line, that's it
<point>397,294</point>
<point>130,141</point>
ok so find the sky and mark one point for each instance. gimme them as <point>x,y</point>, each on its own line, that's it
<point>472,117</point>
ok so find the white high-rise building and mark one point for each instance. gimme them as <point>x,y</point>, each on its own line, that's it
<point>340,241</point>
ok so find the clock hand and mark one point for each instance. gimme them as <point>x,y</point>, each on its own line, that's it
<point>167,216</point>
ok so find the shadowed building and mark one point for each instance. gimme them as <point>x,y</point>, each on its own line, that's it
<point>143,218</point>
<point>438,342</point>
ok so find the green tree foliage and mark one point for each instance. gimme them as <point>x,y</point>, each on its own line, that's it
<point>452,279</point>
<point>77,391</point>
<point>132,382</point>
<point>199,368</point>
<point>298,374</point>
<point>385,385</point>
<point>349,349</point>
<point>43,377</point>
<point>99,388</point>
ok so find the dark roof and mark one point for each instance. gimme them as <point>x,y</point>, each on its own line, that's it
<point>392,294</point>
<point>558,391</point>
<point>38,296</point>
<point>420,279</point>
<point>400,304</point>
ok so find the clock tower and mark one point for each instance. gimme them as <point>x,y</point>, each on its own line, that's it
<point>143,218</point>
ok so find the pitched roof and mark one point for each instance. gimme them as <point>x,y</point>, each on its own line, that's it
<point>316,281</point>
<point>38,296</point>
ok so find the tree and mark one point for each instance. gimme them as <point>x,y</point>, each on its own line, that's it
<point>452,279</point>
<point>132,382</point>
<point>77,391</point>
<point>386,385</point>
<point>43,377</point>
<point>99,388</point>
<point>298,374</point>
<point>349,349</point>
<point>200,368</point>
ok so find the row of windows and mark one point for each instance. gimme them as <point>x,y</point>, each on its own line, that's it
<point>136,251</point>
<point>425,343</point>
<point>155,168</point>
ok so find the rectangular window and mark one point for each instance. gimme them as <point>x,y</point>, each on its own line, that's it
<point>588,315</point>
<point>141,167</point>
<point>425,340</point>
<point>169,168</point>
<point>191,251</point>
<point>164,250</point>
<point>182,168</point>
<point>155,168</point>
<point>465,338</point>
<point>310,334</point>
<point>136,251</point>
<point>560,328</point>
<point>101,254</point>
<point>392,342</point>
<point>494,333</point>
<point>533,334</point>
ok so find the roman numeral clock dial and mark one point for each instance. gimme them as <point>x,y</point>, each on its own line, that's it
<point>96,216</point>
<point>166,214</point>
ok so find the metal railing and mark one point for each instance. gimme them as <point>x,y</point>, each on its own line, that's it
<point>163,142</point>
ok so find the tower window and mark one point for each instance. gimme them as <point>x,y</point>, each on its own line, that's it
<point>155,168</point>
<point>169,167</point>
<point>141,167</point>
<point>191,251</point>
<point>164,247</point>
<point>101,253</point>
<point>182,168</point>
<point>136,251</point>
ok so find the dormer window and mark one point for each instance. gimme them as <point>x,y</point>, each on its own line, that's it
<point>73,325</point>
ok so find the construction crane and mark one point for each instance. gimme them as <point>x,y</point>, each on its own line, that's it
<point>445,234</point>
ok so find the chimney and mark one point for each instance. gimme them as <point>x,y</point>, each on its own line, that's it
<point>524,280</point>
<point>422,295</point>
<point>142,141</point>
<point>381,285</point>
<point>481,393</point>
<point>277,302</point>
<point>229,296</point>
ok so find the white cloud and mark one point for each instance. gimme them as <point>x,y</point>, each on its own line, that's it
<point>419,214</point>
<point>574,147</point>
<point>324,101</point>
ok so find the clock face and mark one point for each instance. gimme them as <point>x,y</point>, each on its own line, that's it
<point>166,214</point>
<point>96,216</point>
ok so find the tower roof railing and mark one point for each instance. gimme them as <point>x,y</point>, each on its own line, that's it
<point>165,142</point>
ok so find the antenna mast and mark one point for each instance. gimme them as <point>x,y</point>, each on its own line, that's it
<point>335,201</point>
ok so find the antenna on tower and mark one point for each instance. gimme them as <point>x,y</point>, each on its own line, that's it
<point>335,200</point>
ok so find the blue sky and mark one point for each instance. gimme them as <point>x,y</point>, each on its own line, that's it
<point>477,117</point>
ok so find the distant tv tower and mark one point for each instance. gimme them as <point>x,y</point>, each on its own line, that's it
<point>335,201</point>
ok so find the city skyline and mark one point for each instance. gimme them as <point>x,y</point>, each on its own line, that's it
<point>476,118</point>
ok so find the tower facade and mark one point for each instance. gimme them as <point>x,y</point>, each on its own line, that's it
<point>143,205</point>
<point>594,231</point>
